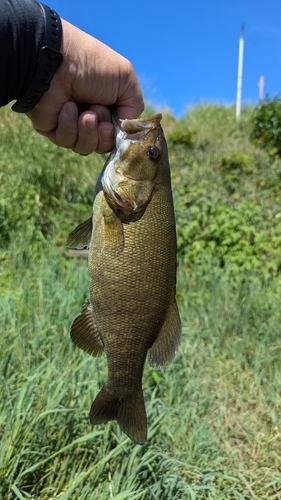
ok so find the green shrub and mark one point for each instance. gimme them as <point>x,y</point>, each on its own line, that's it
<point>181,134</point>
<point>43,188</point>
<point>233,167</point>
<point>227,199</point>
<point>267,125</point>
<point>227,191</point>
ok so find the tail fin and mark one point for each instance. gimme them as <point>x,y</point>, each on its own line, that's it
<point>129,413</point>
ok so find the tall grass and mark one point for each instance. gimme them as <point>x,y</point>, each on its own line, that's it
<point>213,414</point>
<point>214,428</point>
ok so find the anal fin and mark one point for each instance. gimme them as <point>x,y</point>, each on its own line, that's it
<point>165,347</point>
<point>84,332</point>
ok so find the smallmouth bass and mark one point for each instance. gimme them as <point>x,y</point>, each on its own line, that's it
<point>132,312</point>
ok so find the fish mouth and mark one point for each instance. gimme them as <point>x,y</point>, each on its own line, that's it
<point>126,131</point>
<point>110,187</point>
<point>134,130</point>
<point>118,202</point>
<point>126,203</point>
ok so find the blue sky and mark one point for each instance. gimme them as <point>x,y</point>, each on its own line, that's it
<point>186,51</point>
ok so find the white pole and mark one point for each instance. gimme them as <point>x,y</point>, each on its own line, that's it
<point>240,73</point>
<point>261,87</point>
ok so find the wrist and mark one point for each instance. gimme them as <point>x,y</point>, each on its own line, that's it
<point>49,60</point>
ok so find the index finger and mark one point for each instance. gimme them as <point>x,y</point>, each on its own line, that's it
<point>130,103</point>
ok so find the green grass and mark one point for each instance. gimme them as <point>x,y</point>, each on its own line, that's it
<point>213,414</point>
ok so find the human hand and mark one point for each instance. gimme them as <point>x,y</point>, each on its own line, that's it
<point>92,74</point>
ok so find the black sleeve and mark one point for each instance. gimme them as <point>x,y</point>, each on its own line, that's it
<point>21,36</point>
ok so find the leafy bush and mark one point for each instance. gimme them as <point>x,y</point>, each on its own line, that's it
<point>181,134</point>
<point>227,190</point>
<point>43,188</point>
<point>227,200</point>
<point>267,125</point>
<point>233,167</point>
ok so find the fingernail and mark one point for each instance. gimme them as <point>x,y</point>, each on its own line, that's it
<point>91,123</point>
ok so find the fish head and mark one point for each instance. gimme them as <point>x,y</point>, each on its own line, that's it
<point>136,164</point>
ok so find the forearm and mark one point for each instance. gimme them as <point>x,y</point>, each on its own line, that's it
<point>21,35</point>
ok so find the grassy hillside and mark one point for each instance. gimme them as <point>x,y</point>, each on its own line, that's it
<point>214,414</point>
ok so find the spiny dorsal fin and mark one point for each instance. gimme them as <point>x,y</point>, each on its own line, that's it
<point>84,332</point>
<point>80,237</point>
<point>167,343</point>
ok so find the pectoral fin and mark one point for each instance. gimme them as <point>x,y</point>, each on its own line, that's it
<point>166,345</point>
<point>84,332</point>
<point>107,228</point>
<point>80,237</point>
<point>113,230</point>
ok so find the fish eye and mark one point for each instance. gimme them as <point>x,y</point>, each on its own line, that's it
<point>153,152</point>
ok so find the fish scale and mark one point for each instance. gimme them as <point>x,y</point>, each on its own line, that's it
<point>132,311</point>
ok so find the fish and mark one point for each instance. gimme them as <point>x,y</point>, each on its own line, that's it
<point>132,312</point>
